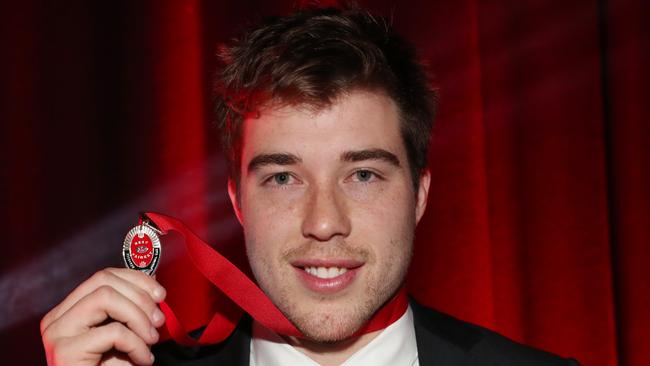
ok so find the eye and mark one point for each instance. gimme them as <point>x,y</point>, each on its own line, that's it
<point>364,175</point>
<point>281,178</point>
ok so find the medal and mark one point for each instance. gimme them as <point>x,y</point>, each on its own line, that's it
<point>141,250</point>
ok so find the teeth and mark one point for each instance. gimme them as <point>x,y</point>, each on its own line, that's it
<point>323,272</point>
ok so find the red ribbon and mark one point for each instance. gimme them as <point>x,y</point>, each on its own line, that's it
<point>246,294</point>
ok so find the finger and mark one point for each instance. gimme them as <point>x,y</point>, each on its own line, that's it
<point>140,298</point>
<point>101,340</point>
<point>111,277</point>
<point>144,281</point>
<point>95,308</point>
<point>115,358</point>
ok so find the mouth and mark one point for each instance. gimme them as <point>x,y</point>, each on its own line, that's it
<point>327,276</point>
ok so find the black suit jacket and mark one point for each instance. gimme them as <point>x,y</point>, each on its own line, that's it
<point>441,339</point>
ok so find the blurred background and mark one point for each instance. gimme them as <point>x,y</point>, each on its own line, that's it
<point>538,224</point>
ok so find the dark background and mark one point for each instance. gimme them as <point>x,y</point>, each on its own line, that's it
<point>538,224</point>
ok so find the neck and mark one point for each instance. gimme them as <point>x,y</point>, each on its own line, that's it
<point>332,353</point>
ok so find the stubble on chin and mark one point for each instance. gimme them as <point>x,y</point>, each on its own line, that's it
<point>331,321</point>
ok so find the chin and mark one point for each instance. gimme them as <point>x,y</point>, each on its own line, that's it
<point>331,323</point>
<point>329,329</point>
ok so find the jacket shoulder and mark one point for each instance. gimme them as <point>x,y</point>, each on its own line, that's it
<point>235,350</point>
<point>445,340</point>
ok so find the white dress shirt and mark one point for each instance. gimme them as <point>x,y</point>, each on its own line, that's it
<point>394,346</point>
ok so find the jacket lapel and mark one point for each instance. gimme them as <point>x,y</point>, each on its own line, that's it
<point>441,339</point>
<point>233,351</point>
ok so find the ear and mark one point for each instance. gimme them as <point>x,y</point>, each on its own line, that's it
<point>232,193</point>
<point>423,194</point>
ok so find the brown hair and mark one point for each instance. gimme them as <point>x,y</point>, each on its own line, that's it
<point>314,56</point>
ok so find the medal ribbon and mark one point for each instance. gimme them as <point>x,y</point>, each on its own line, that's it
<point>246,294</point>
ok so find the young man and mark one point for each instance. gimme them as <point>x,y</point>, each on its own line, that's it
<point>326,119</point>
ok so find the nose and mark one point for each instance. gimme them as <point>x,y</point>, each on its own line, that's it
<point>326,215</point>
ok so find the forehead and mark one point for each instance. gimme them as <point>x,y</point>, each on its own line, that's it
<point>357,119</point>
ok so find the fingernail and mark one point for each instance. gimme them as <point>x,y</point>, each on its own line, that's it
<point>154,333</point>
<point>152,358</point>
<point>159,293</point>
<point>157,316</point>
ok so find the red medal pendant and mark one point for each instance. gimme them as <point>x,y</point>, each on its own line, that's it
<point>141,249</point>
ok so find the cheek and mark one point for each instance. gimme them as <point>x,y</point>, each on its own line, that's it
<point>269,221</point>
<point>386,225</point>
<point>365,194</point>
<point>261,250</point>
<point>389,210</point>
<point>269,203</point>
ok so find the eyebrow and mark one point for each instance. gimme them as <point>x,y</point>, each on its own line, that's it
<point>370,154</point>
<point>272,159</point>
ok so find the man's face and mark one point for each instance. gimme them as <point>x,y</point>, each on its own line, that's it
<point>328,210</point>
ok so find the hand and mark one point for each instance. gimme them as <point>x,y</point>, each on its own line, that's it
<point>110,319</point>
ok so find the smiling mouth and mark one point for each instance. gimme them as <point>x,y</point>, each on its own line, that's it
<point>327,276</point>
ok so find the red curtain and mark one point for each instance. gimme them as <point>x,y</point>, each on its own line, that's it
<point>538,224</point>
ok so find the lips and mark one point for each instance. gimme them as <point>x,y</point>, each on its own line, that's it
<point>327,276</point>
